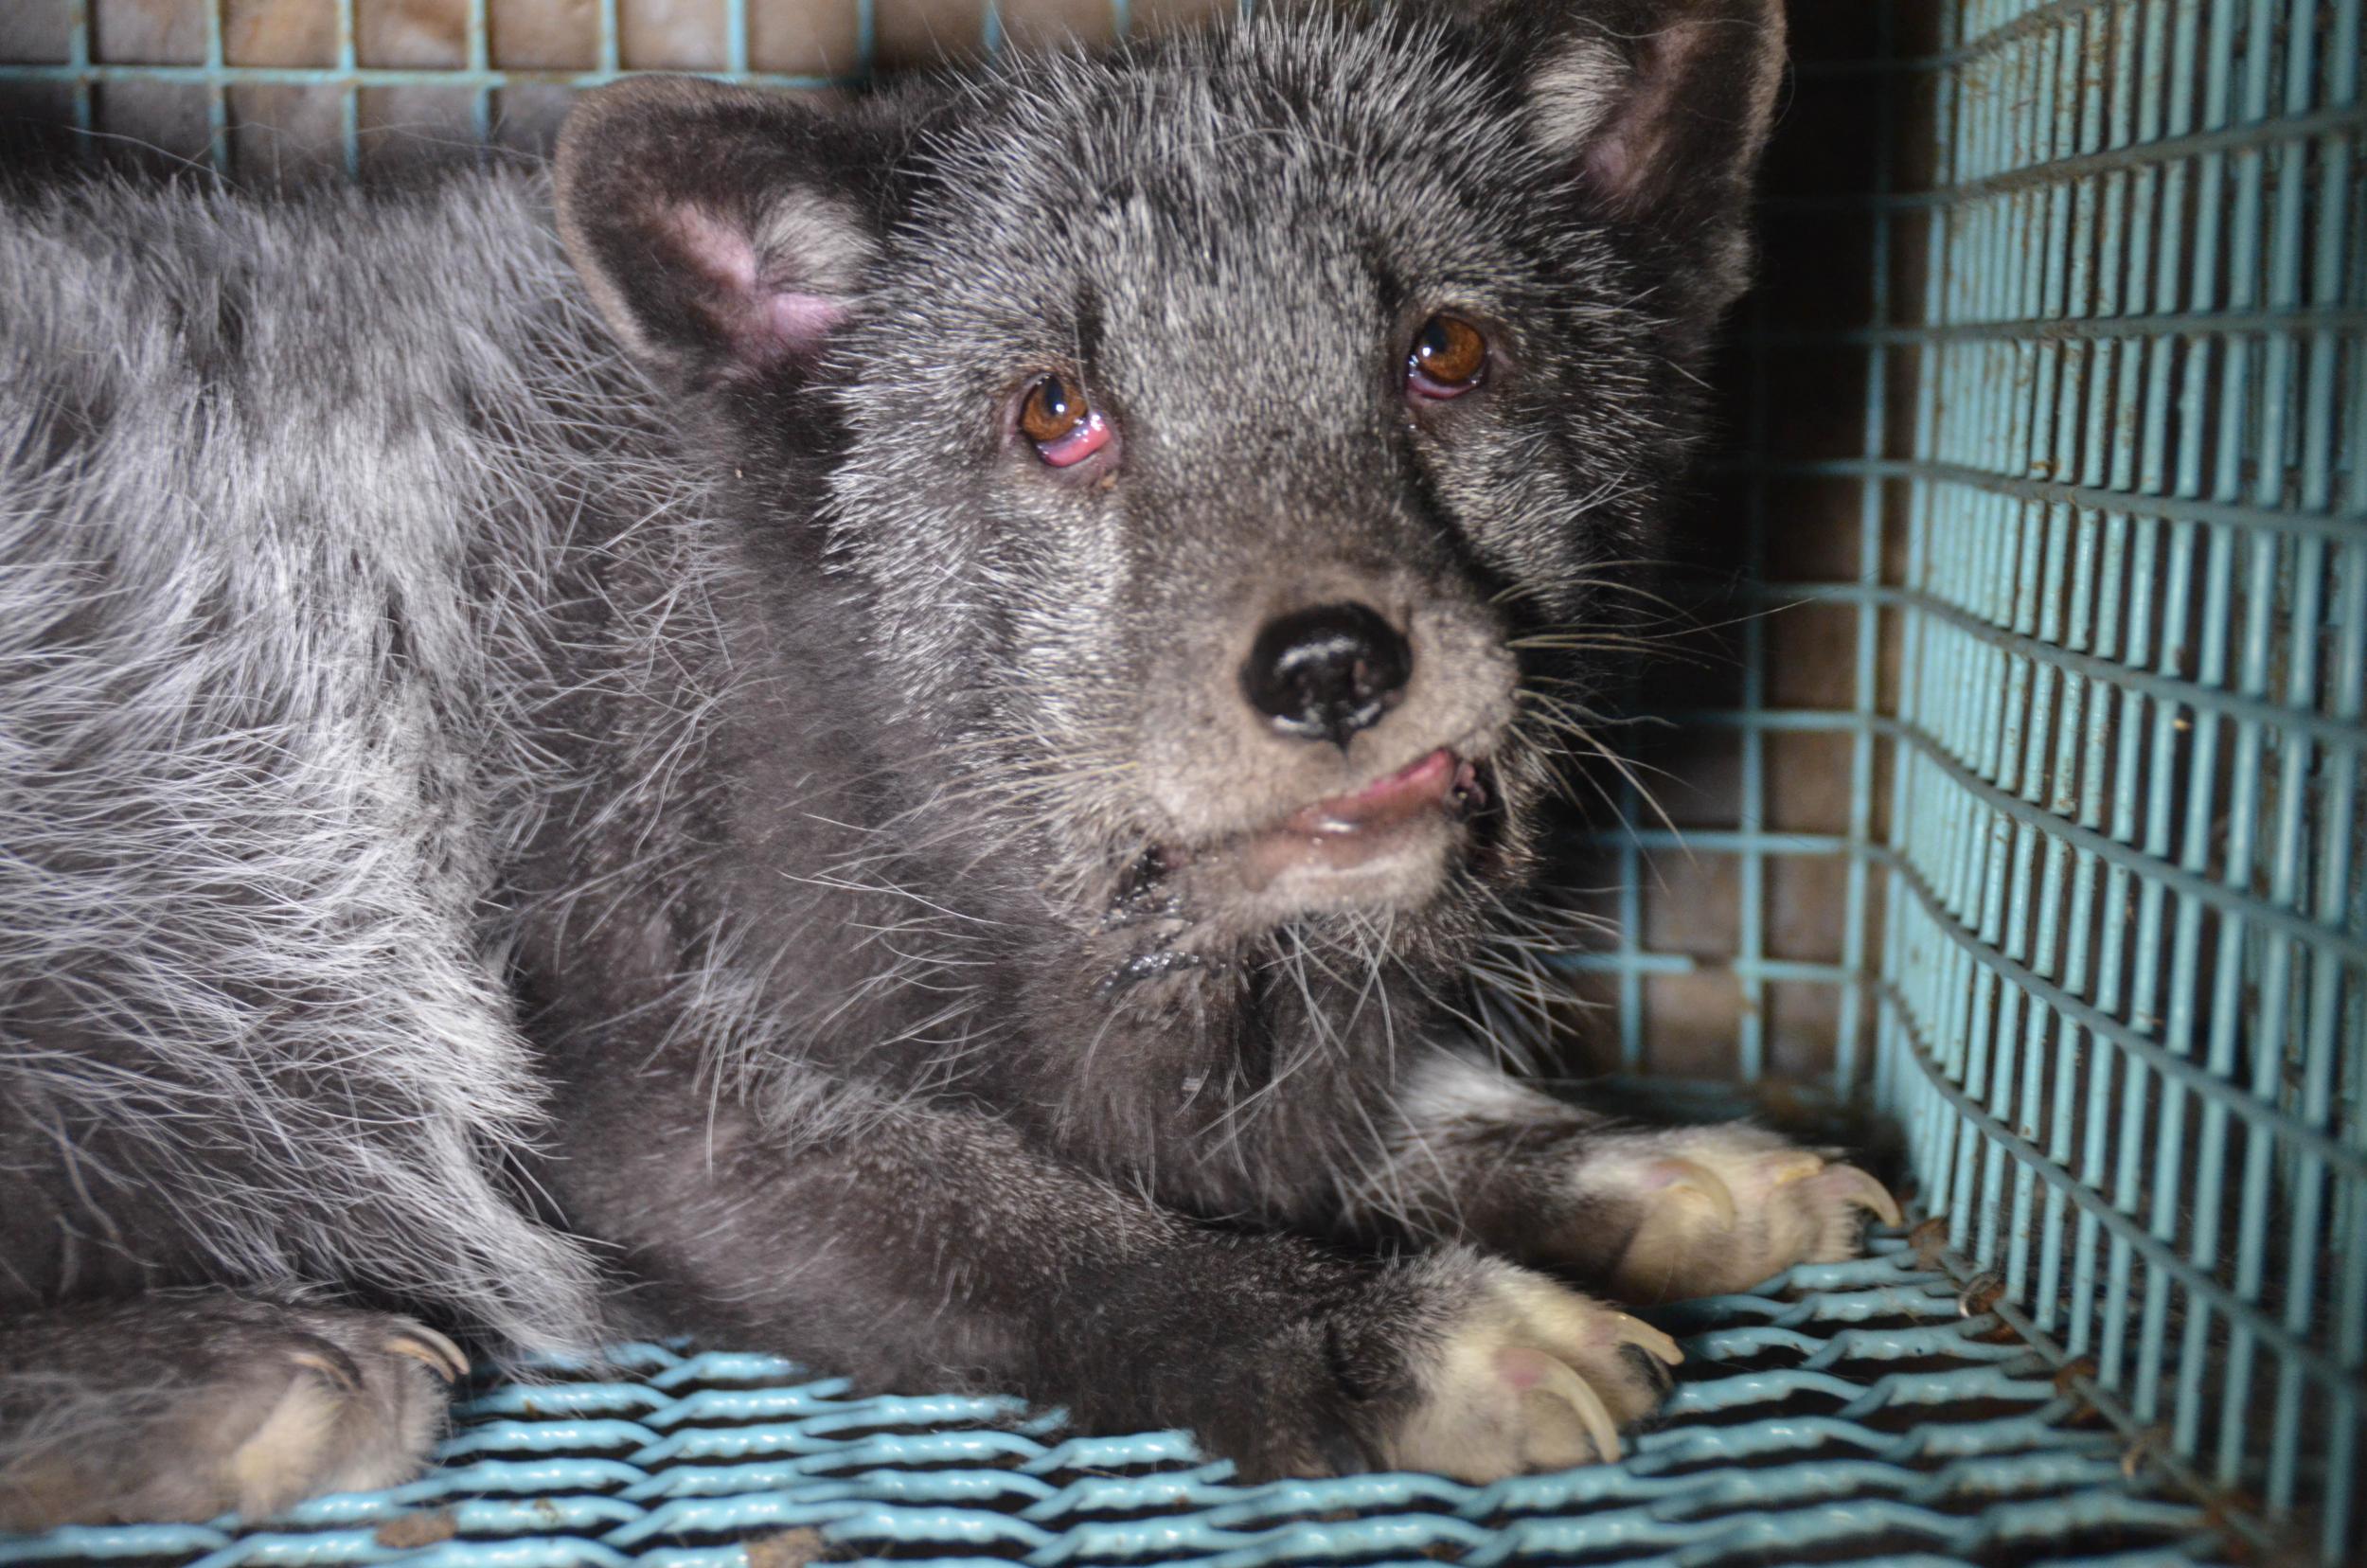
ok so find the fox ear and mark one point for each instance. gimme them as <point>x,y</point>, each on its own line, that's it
<point>1660,108</point>
<point>723,232</point>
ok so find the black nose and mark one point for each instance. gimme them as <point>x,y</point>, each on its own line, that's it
<point>1325,673</point>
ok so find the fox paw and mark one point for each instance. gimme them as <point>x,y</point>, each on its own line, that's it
<point>1716,1209</point>
<point>184,1407</point>
<point>1529,1376</point>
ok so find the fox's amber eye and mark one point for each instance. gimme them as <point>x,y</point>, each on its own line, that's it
<point>1052,412</point>
<point>1065,429</point>
<point>1449,354</point>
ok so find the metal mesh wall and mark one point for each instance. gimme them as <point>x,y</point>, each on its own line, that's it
<point>2122,1000</point>
<point>2027,807</point>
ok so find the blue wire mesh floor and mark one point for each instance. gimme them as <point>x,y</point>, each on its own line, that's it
<point>1864,1411</point>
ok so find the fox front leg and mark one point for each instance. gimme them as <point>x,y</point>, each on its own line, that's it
<point>918,1246</point>
<point>1649,1215</point>
<point>185,1405</point>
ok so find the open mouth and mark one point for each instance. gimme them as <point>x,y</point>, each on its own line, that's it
<point>1441,780</point>
<point>1382,842</point>
<point>1394,817</point>
<point>1411,811</point>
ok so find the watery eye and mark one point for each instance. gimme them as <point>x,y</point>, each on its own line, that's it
<point>1064,427</point>
<point>1054,409</point>
<point>1449,354</point>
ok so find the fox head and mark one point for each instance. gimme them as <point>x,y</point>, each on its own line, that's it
<point>1243,445</point>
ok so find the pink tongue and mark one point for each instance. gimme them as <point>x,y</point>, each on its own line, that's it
<point>1420,783</point>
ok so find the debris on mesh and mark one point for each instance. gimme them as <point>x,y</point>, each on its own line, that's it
<point>1847,1411</point>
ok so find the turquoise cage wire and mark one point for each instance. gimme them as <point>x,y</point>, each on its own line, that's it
<point>2088,590</point>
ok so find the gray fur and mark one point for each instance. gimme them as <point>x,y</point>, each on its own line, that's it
<point>265,732</point>
<point>570,799</point>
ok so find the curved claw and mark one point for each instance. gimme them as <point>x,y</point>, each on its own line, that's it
<point>1795,1164</point>
<point>1645,1337</point>
<point>1580,1395</point>
<point>1855,1186</point>
<point>1688,1178</point>
<point>332,1363</point>
<point>422,1344</point>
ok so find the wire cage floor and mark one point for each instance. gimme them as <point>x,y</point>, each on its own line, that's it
<point>2030,816</point>
<point>1853,1412</point>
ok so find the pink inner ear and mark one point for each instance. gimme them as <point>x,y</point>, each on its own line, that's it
<point>1609,164</point>
<point>801,321</point>
<point>764,320</point>
<point>716,251</point>
<point>1624,161</point>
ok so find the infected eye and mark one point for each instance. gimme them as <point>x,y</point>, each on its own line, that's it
<point>1448,358</point>
<point>1065,428</point>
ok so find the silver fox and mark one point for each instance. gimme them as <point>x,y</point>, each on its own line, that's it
<point>905,731</point>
